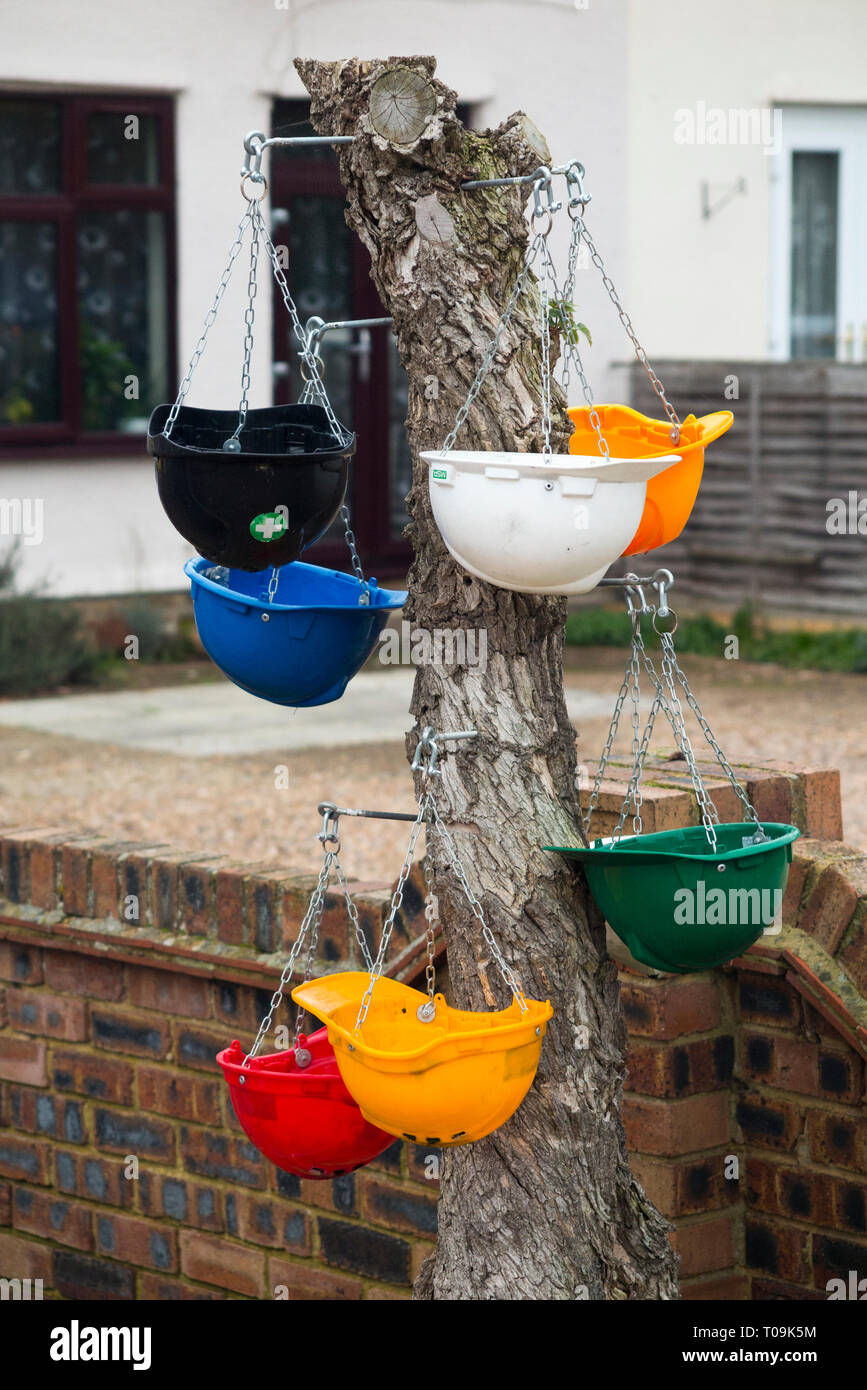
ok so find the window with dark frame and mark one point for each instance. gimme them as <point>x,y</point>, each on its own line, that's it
<point>87,268</point>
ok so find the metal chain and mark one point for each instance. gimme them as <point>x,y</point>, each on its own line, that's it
<point>352,913</point>
<point>545,311</point>
<point>272,583</point>
<point>312,946</point>
<point>249,319</point>
<point>680,676</point>
<point>502,964</point>
<point>431,914</point>
<point>364,596</point>
<point>313,908</point>
<point>425,804</point>
<point>533,247</point>
<point>571,351</point>
<point>630,331</point>
<point>308,357</point>
<point>249,217</point>
<point>674,714</point>
<point>609,742</point>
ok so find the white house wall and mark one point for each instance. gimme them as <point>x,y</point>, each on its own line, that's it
<point>701,287</point>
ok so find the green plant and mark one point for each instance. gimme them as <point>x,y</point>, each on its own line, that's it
<point>841,649</point>
<point>104,367</point>
<point>561,316</point>
<point>156,641</point>
<point>42,644</point>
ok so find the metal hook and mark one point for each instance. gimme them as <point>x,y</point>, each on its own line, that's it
<point>429,741</point>
<point>544,180</point>
<point>330,821</point>
<point>662,580</point>
<point>578,198</point>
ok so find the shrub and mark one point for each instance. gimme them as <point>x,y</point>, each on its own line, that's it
<point>42,643</point>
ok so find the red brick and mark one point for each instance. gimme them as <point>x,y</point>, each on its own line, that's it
<point>775,1249</point>
<point>767,1122</point>
<point>134,869</point>
<point>303,1281</point>
<point>169,993</point>
<point>95,1179</point>
<point>838,1140</point>
<point>53,1015</point>
<point>397,1206</point>
<point>676,1127</point>
<point>14,876</point>
<point>86,975</point>
<point>174,1093</point>
<point>767,999</point>
<point>822,803</point>
<point>24,1159</point>
<point>835,1255</point>
<point>21,965</point>
<point>153,1288</point>
<point>197,896</point>
<point>89,1074</point>
<point>75,875</point>
<point>137,1242</point>
<point>55,1219</point>
<point>797,1065</point>
<point>236,1007</point>
<point>24,1259</point>
<point>263,1221</point>
<point>121,1030</point>
<point>104,884</point>
<point>214,1261</point>
<point>44,864</point>
<point>210,1154</point>
<point>198,1047</point>
<point>728,1288</point>
<point>849,1207</point>
<point>705,1247</point>
<point>193,1204</point>
<point>853,955</point>
<point>772,797</point>
<point>24,1060</point>
<point>39,1113</point>
<point>659,1179</point>
<point>761,1185</point>
<point>142,1136</point>
<point>669,1009</point>
<point>830,905</point>
<point>702,1065</point>
<point>774,1291</point>
<point>231,906</point>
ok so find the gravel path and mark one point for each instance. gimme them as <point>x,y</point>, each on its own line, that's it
<point>232,805</point>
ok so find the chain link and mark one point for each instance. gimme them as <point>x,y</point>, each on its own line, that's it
<point>272,583</point>
<point>630,330</point>
<point>431,914</point>
<point>425,804</point>
<point>249,320</point>
<point>502,964</point>
<point>680,676</point>
<point>533,247</point>
<point>307,356</point>
<point>313,910</point>
<point>211,315</point>
<point>352,912</point>
<point>364,596</point>
<point>571,351</point>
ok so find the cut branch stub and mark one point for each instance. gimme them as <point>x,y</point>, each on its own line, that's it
<point>402,101</point>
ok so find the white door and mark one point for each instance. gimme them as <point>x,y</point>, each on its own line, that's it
<point>818,224</point>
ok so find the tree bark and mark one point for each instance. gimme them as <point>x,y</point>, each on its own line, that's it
<point>546,1207</point>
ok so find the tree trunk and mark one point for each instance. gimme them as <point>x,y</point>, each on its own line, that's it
<point>546,1207</point>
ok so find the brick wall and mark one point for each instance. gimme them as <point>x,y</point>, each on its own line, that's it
<point>110,1026</point>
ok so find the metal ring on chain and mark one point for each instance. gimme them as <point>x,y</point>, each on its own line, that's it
<point>259,181</point>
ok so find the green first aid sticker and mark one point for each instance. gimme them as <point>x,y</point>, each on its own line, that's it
<point>269,526</point>
<point>440,473</point>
